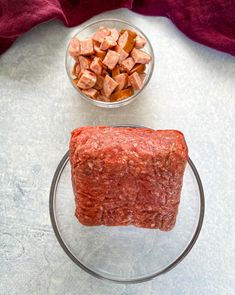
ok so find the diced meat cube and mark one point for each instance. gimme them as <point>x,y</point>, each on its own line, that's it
<point>122,52</point>
<point>126,41</point>
<point>74,48</point>
<point>105,30</point>
<point>140,56</point>
<point>76,69</point>
<point>87,80</point>
<point>135,81</point>
<point>86,47</point>
<point>102,97</point>
<point>81,73</point>
<point>139,68</point>
<point>115,71</point>
<point>98,52</point>
<point>111,59</point>
<point>132,33</point>
<point>108,42</point>
<point>122,94</point>
<point>91,92</point>
<point>99,83</point>
<point>75,81</point>
<point>140,42</point>
<point>121,79</point>
<point>96,66</point>
<point>142,77</point>
<point>128,63</point>
<point>114,33</point>
<point>109,85</point>
<point>101,34</point>
<point>84,62</point>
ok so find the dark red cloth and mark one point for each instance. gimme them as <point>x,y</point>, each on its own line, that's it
<point>210,22</point>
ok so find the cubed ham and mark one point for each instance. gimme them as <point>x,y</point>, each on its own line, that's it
<point>122,94</point>
<point>140,42</point>
<point>109,85</point>
<point>140,56</point>
<point>132,33</point>
<point>75,81</point>
<point>108,42</point>
<point>111,59</point>
<point>114,33</point>
<point>74,48</point>
<point>121,79</point>
<point>142,77</point>
<point>139,68</point>
<point>101,34</point>
<point>128,63</point>
<point>135,81</point>
<point>126,41</point>
<point>122,52</point>
<point>115,71</point>
<point>96,66</point>
<point>86,47</point>
<point>98,52</point>
<point>102,97</point>
<point>76,69</point>
<point>91,92</point>
<point>87,80</point>
<point>99,83</point>
<point>85,62</point>
<point>109,66</point>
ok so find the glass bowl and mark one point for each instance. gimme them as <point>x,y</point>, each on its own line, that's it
<point>125,254</point>
<point>89,30</point>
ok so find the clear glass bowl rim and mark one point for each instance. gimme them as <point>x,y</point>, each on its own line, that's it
<point>124,101</point>
<point>53,189</point>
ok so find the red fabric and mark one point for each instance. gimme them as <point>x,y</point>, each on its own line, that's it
<point>210,22</point>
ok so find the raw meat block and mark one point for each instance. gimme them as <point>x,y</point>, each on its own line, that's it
<point>140,56</point>
<point>111,59</point>
<point>74,48</point>
<point>127,176</point>
<point>109,85</point>
<point>86,47</point>
<point>87,80</point>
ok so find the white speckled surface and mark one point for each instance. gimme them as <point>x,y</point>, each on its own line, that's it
<point>193,89</point>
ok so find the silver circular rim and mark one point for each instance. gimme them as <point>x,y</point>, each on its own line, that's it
<point>124,101</point>
<point>62,243</point>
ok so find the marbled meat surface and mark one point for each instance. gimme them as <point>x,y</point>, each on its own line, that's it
<point>127,176</point>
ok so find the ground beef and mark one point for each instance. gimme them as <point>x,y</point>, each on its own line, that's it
<point>127,176</point>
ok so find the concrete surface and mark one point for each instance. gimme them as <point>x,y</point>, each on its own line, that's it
<point>193,90</point>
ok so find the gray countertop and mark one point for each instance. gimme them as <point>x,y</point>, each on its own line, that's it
<point>192,89</point>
